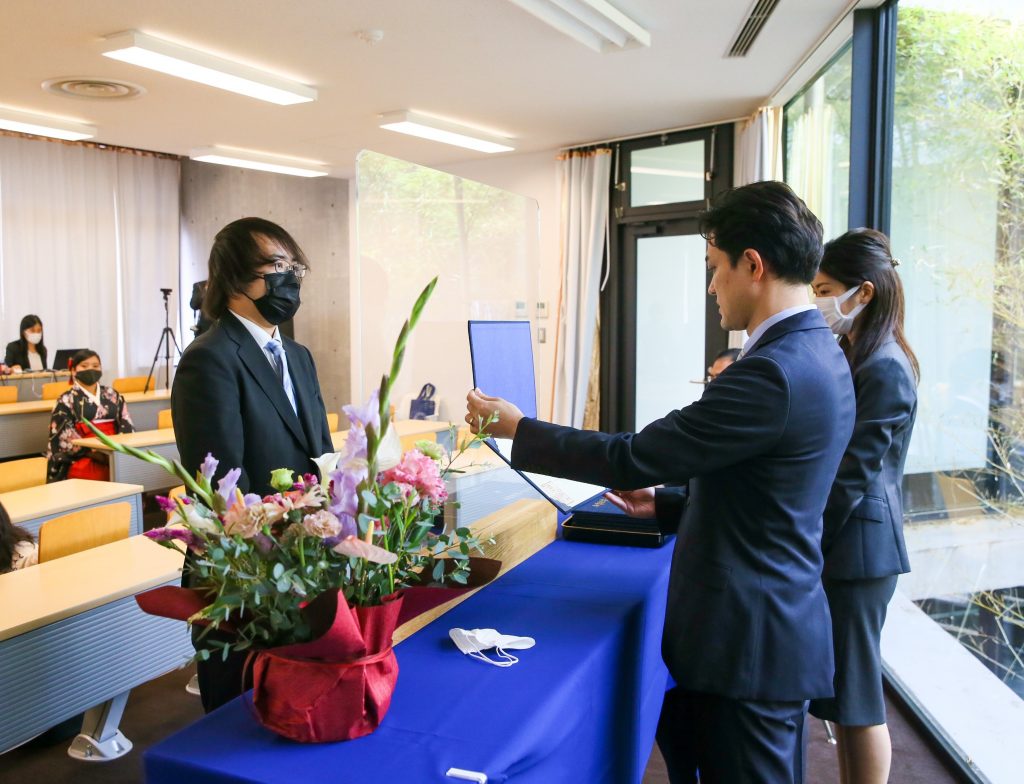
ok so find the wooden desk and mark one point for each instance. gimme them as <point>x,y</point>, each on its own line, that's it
<point>30,385</point>
<point>73,639</point>
<point>409,432</point>
<point>25,426</point>
<point>125,468</point>
<point>33,506</point>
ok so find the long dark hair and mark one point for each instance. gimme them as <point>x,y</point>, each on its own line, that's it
<point>235,257</point>
<point>28,322</point>
<point>864,255</point>
<point>10,535</point>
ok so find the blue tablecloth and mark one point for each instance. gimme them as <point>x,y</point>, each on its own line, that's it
<point>581,706</point>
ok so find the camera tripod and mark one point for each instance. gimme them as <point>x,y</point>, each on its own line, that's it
<point>167,339</point>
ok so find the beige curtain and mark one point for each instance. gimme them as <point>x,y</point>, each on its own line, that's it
<point>584,225</point>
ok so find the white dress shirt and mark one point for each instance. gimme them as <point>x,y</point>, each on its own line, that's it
<point>770,322</point>
<point>262,338</point>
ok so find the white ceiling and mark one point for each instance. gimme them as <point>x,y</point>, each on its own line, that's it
<point>485,63</point>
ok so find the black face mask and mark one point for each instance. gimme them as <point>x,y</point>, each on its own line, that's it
<point>88,377</point>
<point>281,302</point>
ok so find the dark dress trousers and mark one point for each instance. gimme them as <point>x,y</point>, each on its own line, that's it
<point>227,400</point>
<point>863,534</point>
<point>747,617</point>
<point>17,354</point>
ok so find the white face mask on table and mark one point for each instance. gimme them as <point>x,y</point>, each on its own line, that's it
<point>840,323</point>
<point>473,642</point>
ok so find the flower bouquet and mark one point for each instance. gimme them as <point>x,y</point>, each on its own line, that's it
<point>309,581</point>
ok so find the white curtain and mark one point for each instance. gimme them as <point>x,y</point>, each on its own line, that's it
<point>584,226</point>
<point>758,147</point>
<point>88,237</point>
<point>758,156</point>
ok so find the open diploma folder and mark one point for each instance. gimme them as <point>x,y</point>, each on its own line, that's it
<point>502,357</point>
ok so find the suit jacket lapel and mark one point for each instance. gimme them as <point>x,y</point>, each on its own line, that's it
<point>305,396</point>
<point>258,366</point>
<point>808,319</point>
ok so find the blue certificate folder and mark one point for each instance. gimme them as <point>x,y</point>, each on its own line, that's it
<point>502,357</point>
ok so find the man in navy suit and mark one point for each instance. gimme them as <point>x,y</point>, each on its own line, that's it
<point>747,633</point>
<point>245,393</point>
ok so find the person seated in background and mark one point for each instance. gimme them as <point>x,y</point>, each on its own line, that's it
<point>722,360</point>
<point>86,399</point>
<point>18,547</point>
<point>28,352</point>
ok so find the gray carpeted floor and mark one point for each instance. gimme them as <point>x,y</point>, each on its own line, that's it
<point>157,709</point>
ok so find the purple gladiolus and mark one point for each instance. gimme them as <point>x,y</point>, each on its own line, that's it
<point>209,467</point>
<point>251,499</point>
<point>368,415</point>
<point>191,539</point>
<point>228,484</point>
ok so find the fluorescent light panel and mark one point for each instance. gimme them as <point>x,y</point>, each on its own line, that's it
<point>248,159</point>
<point>169,58</point>
<point>44,125</point>
<point>437,130</point>
<point>596,24</point>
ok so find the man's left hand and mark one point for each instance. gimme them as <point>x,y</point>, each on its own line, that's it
<point>480,407</point>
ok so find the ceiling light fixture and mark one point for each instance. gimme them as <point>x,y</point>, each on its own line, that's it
<point>169,58</point>
<point>444,131</point>
<point>44,125</point>
<point>596,24</point>
<point>262,161</point>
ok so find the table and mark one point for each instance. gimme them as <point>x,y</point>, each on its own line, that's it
<point>30,385</point>
<point>581,706</point>
<point>125,468</point>
<point>33,506</point>
<point>25,426</point>
<point>72,639</point>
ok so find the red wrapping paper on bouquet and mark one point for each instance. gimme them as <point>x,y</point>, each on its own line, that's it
<point>338,686</point>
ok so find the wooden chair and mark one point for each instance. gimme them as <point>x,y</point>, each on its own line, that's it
<point>54,389</point>
<point>72,533</point>
<point>19,474</point>
<point>132,384</point>
<point>332,422</point>
<point>10,395</point>
<point>163,419</point>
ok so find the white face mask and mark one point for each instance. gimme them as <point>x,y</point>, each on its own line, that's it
<point>35,338</point>
<point>473,641</point>
<point>841,323</point>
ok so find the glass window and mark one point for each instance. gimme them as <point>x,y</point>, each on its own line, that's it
<point>817,150</point>
<point>958,229</point>
<point>671,299</point>
<point>666,175</point>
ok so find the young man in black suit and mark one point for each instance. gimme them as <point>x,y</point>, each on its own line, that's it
<point>243,392</point>
<point>747,633</point>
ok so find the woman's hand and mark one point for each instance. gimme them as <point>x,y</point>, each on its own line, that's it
<point>480,407</point>
<point>635,503</point>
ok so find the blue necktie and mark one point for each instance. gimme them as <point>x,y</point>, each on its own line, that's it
<point>280,364</point>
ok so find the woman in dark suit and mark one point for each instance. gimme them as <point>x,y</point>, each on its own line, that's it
<point>861,297</point>
<point>28,352</point>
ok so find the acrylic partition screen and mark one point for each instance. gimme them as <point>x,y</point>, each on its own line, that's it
<point>414,223</point>
<point>671,296</point>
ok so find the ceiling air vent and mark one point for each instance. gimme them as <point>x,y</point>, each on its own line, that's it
<point>751,28</point>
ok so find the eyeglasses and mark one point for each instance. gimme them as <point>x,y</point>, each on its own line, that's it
<point>300,270</point>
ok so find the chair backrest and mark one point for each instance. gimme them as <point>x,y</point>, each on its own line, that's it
<point>8,394</point>
<point>132,383</point>
<point>332,423</point>
<point>174,492</point>
<point>54,389</point>
<point>19,474</point>
<point>163,419</point>
<point>84,529</point>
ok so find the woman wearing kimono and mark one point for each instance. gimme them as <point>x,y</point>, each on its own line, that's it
<point>86,399</point>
